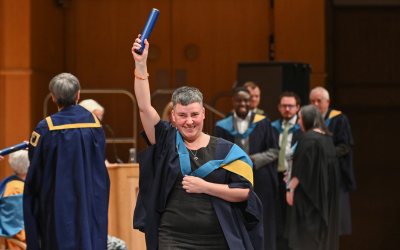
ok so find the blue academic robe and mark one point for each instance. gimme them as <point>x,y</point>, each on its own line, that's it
<point>281,203</point>
<point>67,186</point>
<point>261,138</point>
<point>338,124</point>
<point>159,166</point>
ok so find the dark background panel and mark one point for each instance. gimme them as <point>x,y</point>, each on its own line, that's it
<point>273,78</point>
<point>363,76</point>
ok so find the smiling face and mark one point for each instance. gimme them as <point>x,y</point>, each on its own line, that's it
<point>189,120</point>
<point>254,97</point>
<point>241,101</point>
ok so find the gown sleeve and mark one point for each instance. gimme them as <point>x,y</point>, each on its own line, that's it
<point>32,184</point>
<point>308,163</point>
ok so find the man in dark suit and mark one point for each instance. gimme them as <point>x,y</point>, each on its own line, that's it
<point>287,132</point>
<point>254,134</point>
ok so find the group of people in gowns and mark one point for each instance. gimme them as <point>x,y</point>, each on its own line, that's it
<point>234,186</point>
<point>272,152</point>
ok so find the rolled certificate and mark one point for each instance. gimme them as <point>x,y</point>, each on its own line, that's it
<point>147,29</point>
<point>12,149</point>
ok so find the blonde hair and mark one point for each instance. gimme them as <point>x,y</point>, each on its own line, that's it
<point>19,162</point>
<point>91,105</point>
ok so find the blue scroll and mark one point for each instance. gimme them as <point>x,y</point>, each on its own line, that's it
<point>147,29</point>
<point>12,149</point>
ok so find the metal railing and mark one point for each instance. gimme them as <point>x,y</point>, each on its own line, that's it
<point>133,139</point>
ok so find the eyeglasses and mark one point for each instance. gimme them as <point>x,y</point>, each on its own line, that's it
<point>290,106</point>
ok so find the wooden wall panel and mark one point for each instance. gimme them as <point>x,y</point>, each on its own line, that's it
<point>367,47</point>
<point>100,35</point>
<point>299,28</point>
<point>226,32</point>
<point>47,52</point>
<point>366,86</point>
<point>14,75</point>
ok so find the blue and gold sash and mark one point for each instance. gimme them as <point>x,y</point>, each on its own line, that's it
<point>332,115</point>
<point>276,124</point>
<point>236,161</point>
<point>227,124</point>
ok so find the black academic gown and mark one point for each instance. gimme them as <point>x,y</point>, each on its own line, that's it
<point>339,126</point>
<point>159,166</point>
<point>265,178</point>
<point>281,203</point>
<point>67,186</point>
<point>313,220</point>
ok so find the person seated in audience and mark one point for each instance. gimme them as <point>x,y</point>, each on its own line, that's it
<point>98,111</point>
<point>11,211</point>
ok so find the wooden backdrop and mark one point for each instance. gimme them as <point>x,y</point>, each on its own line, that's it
<point>196,43</point>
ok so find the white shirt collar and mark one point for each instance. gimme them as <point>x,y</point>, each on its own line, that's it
<point>292,122</point>
<point>248,116</point>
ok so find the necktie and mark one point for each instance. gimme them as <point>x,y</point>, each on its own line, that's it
<point>281,161</point>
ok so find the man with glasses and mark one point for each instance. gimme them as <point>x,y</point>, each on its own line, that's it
<point>288,133</point>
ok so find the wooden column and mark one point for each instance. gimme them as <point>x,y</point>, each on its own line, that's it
<point>15,74</point>
<point>300,35</point>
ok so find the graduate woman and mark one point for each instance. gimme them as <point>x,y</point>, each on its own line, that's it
<point>314,189</point>
<point>195,190</point>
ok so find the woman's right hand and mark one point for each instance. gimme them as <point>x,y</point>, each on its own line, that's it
<point>140,59</point>
<point>1,158</point>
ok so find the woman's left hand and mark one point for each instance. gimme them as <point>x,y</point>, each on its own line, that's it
<point>289,198</point>
<point>194,184</point>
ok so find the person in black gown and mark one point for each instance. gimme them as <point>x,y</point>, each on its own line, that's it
<point>314,187</point>
<point>195,190</point>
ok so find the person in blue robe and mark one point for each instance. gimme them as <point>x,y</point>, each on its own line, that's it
<point>11,211</point>
<point>338,124</point>
<point>67,186</point>
<point>255,135</point>
<point>195,190</point>
<point>288,132</point>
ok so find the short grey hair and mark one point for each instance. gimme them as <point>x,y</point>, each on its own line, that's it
<point>91,105</point>
<point>19,162</point>
<point>187,95</point>
<point>325,92</point>
<point>64,88</point>
<point>312,118</point>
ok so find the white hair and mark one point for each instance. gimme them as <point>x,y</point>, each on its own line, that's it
<point>91,105</point>
<point>19,162</point>
<point>325,92</point>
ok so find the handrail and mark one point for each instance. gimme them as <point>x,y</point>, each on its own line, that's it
<point>109,91</point>
<point>215,99</point>
<point>161,92</point>
<point>206,105</point>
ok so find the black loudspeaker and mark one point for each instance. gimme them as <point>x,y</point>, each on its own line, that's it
<point>273,78</point>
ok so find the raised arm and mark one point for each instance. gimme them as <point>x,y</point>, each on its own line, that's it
<point>148,114</point>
